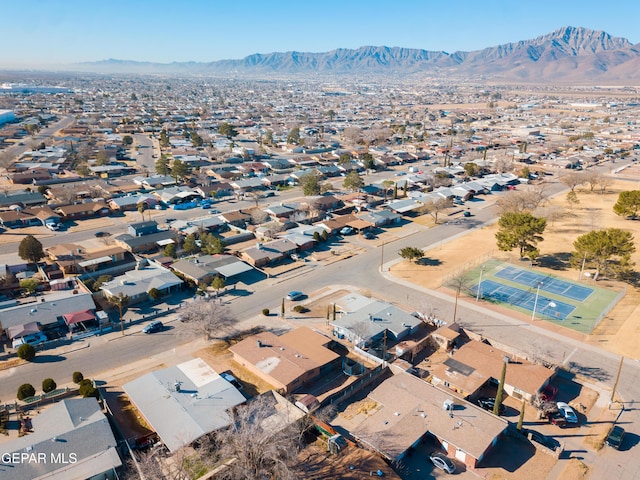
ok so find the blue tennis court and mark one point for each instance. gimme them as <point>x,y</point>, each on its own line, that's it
<point>548,284</point>
<point>546,307</point>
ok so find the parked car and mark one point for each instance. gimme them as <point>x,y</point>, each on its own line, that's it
<point>232,380</point>
<point>213,211</point>
<point>295,295</point>
<point>32,339</point>
<point>153,327</point>
<point>615,437</point>
<point>346,231</point>
<point>369,235</point>
<point>557,419</point>
<point>489,403</point>
<point>549,393</point>
<point>567,412</point>
<point>101,234</point>
<point>53,226</point>
<point>549,442</point>
<point>443,462</point>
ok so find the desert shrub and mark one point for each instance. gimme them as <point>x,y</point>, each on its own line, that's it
<point>26,351</point>
<point>265,312</point>
<point>26,390</point>
<point>77,377</point>
<point>300,309</point>
<point>48,385</point>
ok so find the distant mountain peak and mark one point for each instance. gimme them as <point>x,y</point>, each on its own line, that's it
<point>568,54</point>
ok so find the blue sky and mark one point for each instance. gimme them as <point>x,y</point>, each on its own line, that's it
<point>47,32</point>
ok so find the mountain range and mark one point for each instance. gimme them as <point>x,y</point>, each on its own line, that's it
<point>569,54</point>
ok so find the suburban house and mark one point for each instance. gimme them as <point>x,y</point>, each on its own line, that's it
<point>83,210</point>
<point>184,402</point>
<point>145,243</point>
<point>76,440</point>
<point>44,214</point>
<point>367,320</point>
<point>136,284</point>
<point>289,361</point>
<point>408,409</point>
<point>49,311</point>
<point>379,218</point>
<point>17,219</point>
<point>154,181</point>
<point>24,199</point>
<point>131,202</point>
<point>74,259</point>
<point>142,228</point>
<point>477,364</point>
<point>268,253</point>
<point>204,268</point>
<point>237,218</point>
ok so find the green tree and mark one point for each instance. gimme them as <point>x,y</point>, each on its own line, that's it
<point>412,254</point>
<point>162,165</point>
<point>48,385</point>
<point>353,181</point>
<point>311,184</point>
<point>607,251</point>
<point>572,198</point>
<point>268,137</point>
<point>628,204</point>
<point>196,140</point>
<point>282,309</point>
<point>227,130</point>
<point>324,235</point>
<point>30,285</point>
<point>82,169</point>
<point>164,139</point>
<point>471,169</point>
<point>77,377</point>
<point>294,136</point>
<point>127,140</point>
<point>170,250</point>
<point>25,390</point>
<point>521,230</point>
<point>30,249</point>
<point>190,246</point>
<point>212,245</point>
<point>119,301</point>
<point>180,170</point>
<point>367,161</point>
<point>154,294</point>
<point>142,206</point>
<point>500,392</point>
<point>521,417</point>
<point>102,158</point>
<point>87,389</point>
<point>218,283</point>
<point>26,351</point>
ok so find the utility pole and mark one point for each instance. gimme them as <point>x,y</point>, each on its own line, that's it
<point>615,385</point>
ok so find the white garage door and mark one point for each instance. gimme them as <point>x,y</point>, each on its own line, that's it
<point>461,455</point>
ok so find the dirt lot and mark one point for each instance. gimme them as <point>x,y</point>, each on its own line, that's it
<point>595,210</point>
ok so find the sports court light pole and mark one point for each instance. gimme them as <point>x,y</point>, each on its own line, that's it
<point>535,303</point>
<point>479,284</point>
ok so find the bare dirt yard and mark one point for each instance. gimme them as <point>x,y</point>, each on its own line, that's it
<point>594,211</point>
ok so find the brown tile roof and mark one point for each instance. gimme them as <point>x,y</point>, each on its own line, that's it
<point>409,407</point>
<point>287,357</point>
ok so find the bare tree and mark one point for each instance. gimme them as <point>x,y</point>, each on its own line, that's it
<point>207,318</point>
<point>258,216</point>
<point>593,178</point>
<point>256,446</point>
<point>519,201</point>
<point>503,165</point>
<point>604,183</point>
<point>435,207</point>
<point>572,179</point>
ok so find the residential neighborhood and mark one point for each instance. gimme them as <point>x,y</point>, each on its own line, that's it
<point>327,271</point>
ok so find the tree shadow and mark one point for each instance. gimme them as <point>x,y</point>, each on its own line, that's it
<point>558,261</point>
<point>48,359</point>
<point>596,373</point>
<point>429,262</point>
